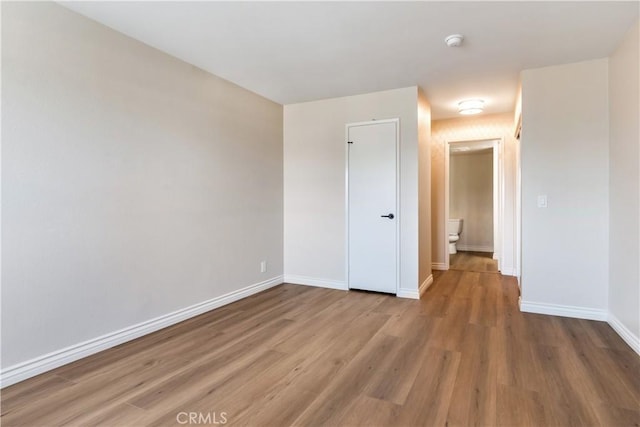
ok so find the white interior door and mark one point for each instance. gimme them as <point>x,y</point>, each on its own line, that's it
<point>372,206</point>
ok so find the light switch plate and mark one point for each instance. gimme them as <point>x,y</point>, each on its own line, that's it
<point>542,201</point>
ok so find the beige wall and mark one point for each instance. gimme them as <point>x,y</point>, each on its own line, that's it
<point>424,188</point>
<point>314,184</point>
<point>565,155</point>
<point>471,198</point>
<point>490,126</point>
<point>624,186</point>
<point>133,184</point>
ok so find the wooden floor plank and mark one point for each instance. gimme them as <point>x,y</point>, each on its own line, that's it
<point>73,403</point>
<point>481,262</point>
<point>519,407</point>
<point>115,416</point>
<point>473,400</point>
<point>429,399</point>
<point>332,403</point>
<point>32,391</point>
<point>323,362</point>
<point>279,407</point>
<point>393,381</point>
<point>568,406</point>
<point>366,411</point>
<point>209,372</point>
<point>230,394</point>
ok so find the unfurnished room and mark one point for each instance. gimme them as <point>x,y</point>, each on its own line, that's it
<point>320,213</point>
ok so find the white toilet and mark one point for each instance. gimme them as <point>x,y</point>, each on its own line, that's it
<point>454,228</point>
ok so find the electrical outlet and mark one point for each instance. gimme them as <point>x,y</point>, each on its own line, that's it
<point>263,266</point>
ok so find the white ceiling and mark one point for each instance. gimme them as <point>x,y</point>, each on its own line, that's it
<point>300,51</point>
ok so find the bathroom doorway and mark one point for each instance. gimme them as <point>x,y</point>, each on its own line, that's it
<point>474,205</point>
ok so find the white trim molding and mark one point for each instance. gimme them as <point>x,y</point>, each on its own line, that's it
<point>55,359</point>
<point>624,332</point>
<point>440,266</point>
<point>408,293</point>
<point>314,281</point>
<point>563,310</point>
<point>425,285</point>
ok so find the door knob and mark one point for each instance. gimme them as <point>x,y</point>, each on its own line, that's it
<point>390,216</point>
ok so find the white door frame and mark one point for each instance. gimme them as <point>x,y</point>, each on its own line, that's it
<point>497,145</point>
<point>517,256</point>
<point>398,215</point>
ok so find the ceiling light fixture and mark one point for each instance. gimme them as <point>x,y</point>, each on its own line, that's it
<point>470,106</point>
<point>454,40</point>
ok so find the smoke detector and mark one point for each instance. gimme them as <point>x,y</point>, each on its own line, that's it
<point>454,40</point>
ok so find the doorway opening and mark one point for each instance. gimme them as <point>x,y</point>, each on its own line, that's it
<point>474,205</point>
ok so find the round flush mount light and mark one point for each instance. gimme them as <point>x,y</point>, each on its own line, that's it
<point>454,40</point>
<point>470,106</point>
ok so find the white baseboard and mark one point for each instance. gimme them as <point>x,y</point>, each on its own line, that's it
<point>563,310</point>
<point>474,248</point>
<point>408,293</point>
<point>55,359</point>
<point>313,281</point>
<point>508,271</point>
<point>425,285</point>
<point>441,266</point>
<point>624,332</point>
